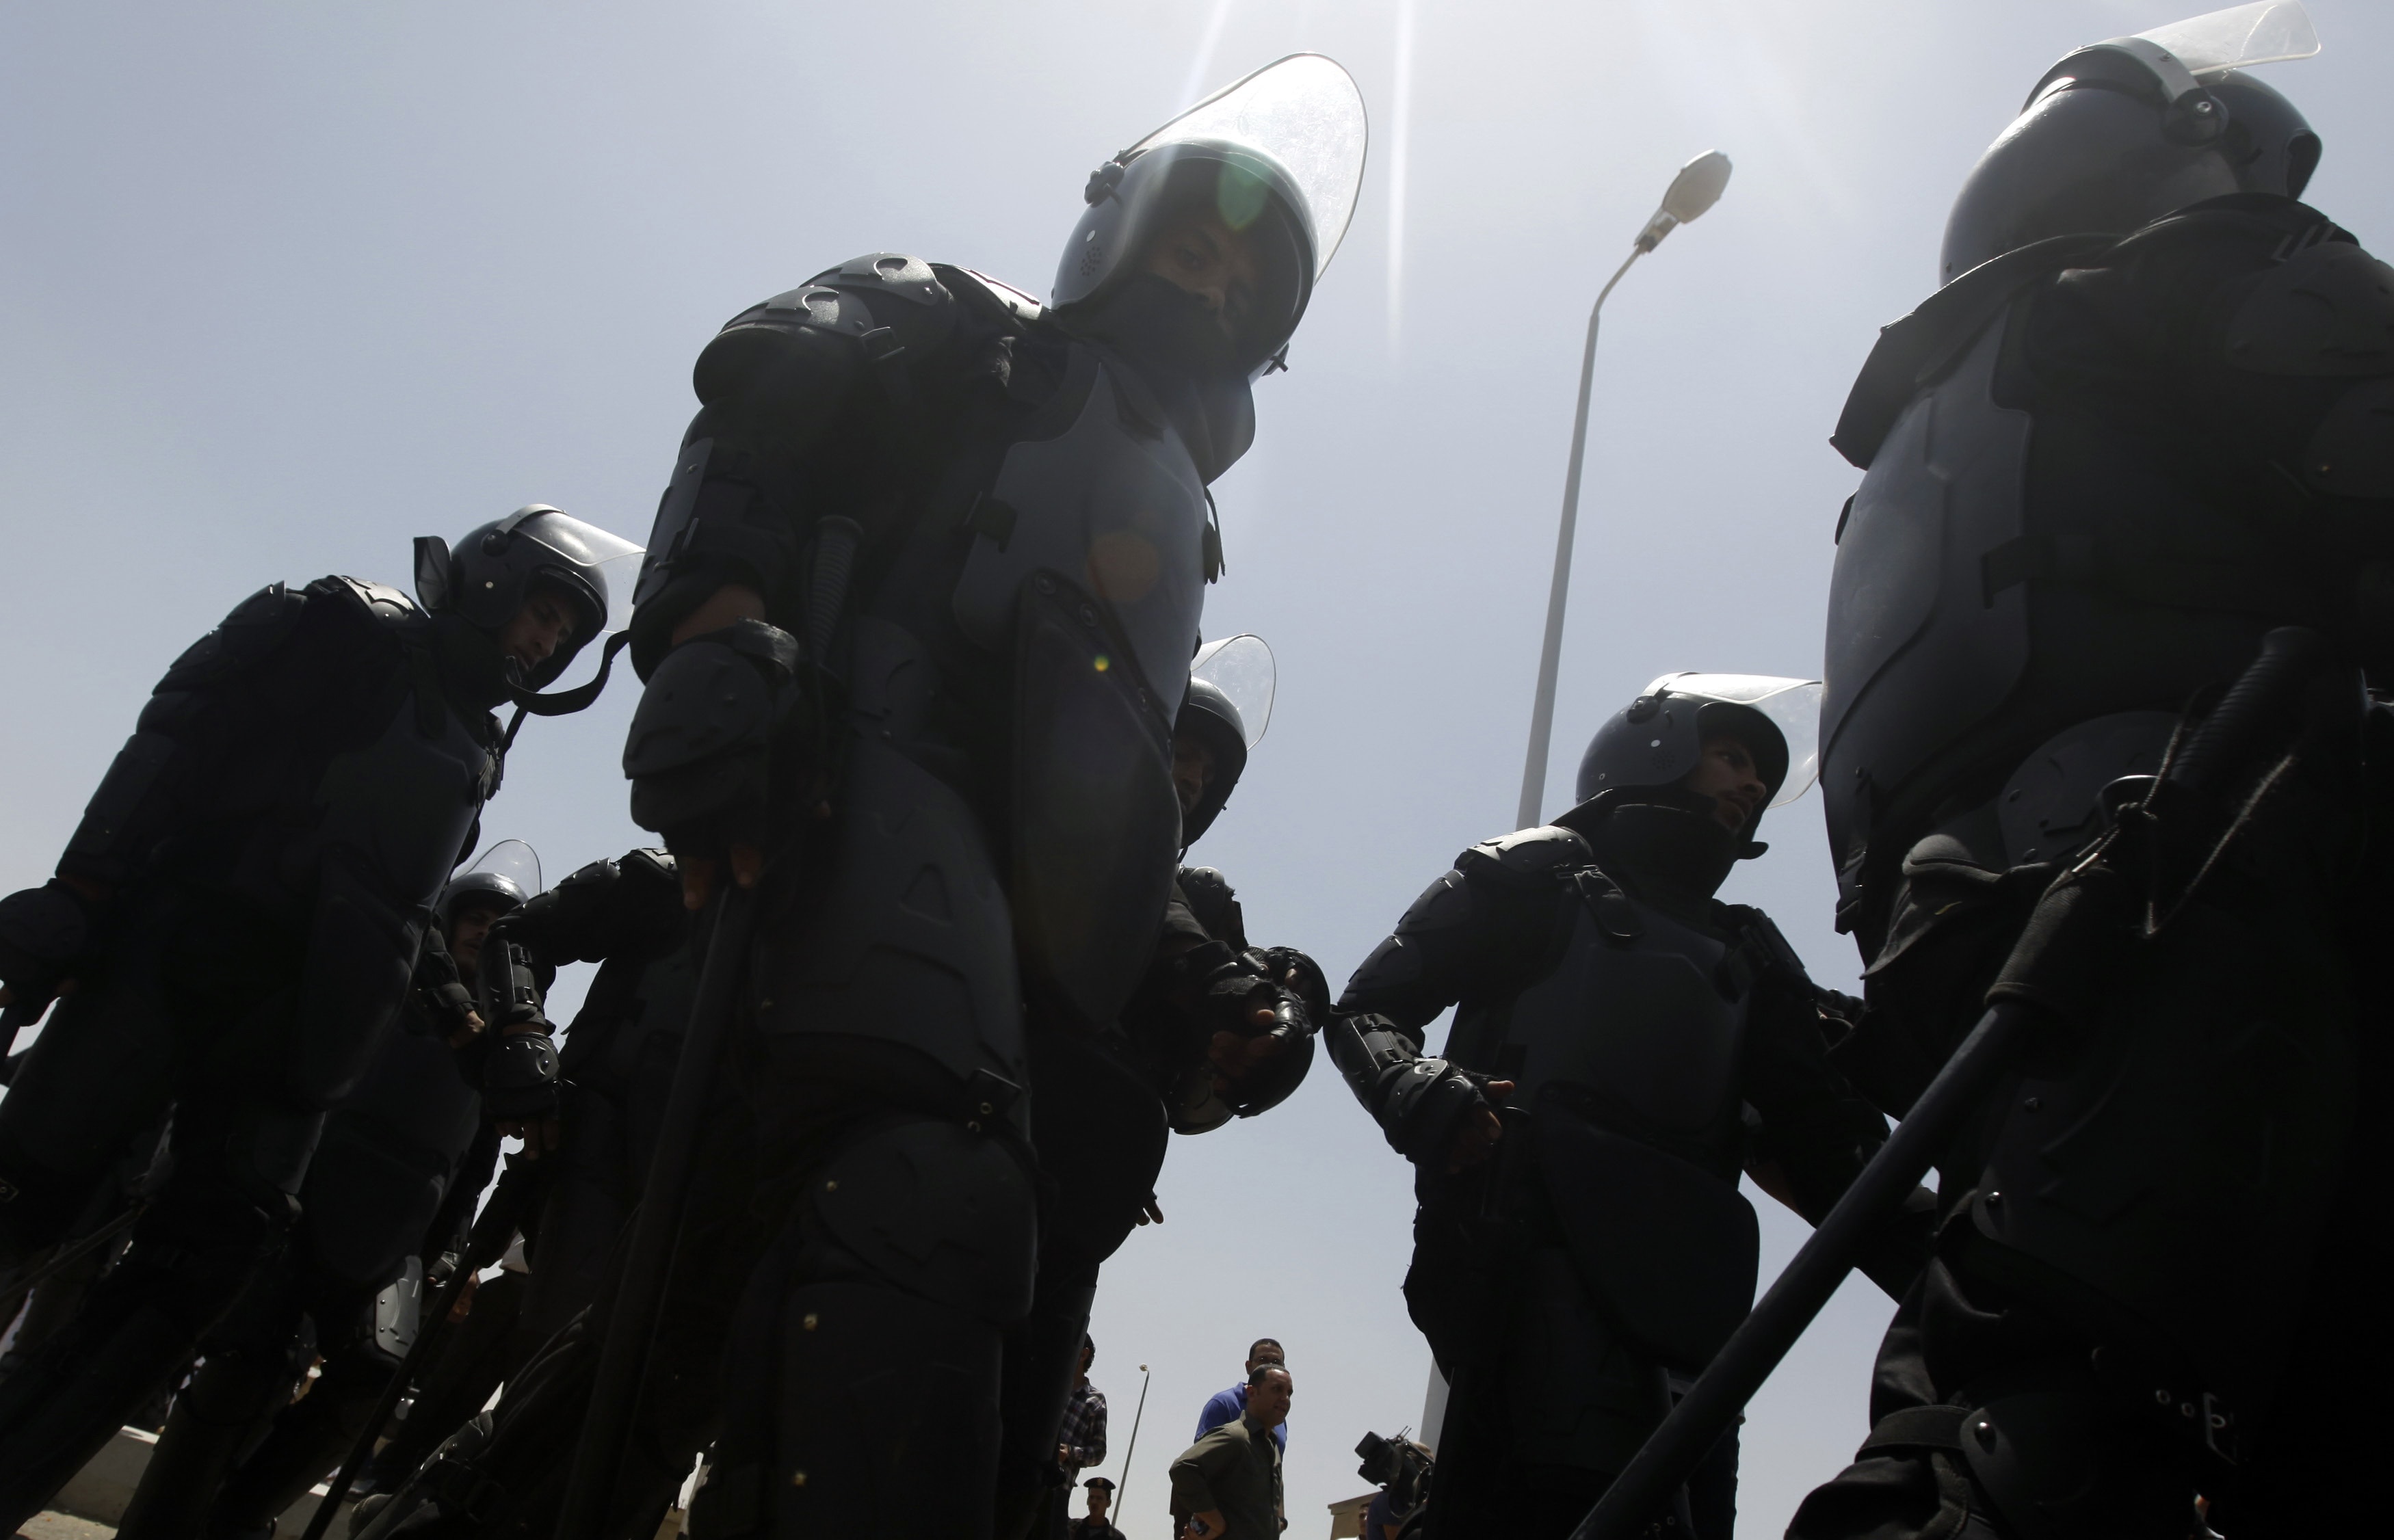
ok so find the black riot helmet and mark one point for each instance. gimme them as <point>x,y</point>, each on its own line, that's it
<point>1278,156</point>
<point>2120,133</point>
<point>504,878</point>
<point>1228,708</point>
<point>1651,745</point>
<point>486,579</point>
<point>1207,716</point>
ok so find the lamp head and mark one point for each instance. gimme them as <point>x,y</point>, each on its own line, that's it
<point>1696,187</point>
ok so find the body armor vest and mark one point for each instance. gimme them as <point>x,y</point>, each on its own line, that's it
<point>395,815</point>
<point>1632,1026</point>
<point>2061,536</point>
<point>1627,1056</point>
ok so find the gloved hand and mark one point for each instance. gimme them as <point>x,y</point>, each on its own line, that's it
<point>607,909</point>
<point>700,753</point>
<point>1262,1044</point>
<point>1302,977</point>
<point>45,936</point>
<point>442,994</point>
<point>1439,1117</point>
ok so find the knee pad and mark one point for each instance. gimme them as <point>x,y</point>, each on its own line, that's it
<point>936,1211</point>
<point>2067,1461</point>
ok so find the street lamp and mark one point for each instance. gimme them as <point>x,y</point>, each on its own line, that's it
<point>1122,1490</point>
<point>1695,188</point>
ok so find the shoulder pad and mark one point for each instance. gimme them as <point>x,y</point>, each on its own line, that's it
<point>1017,303</point>
<point>2326,310</point>
<point>816,306</point>
<point>257,626</point>
<point>890,272</point>
<point>656,864</point>
<point>1206,880</point>
<point>1525,858</point>
<point>385,603</point>
<point>1914,350</point>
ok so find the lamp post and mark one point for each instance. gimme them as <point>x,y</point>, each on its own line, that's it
<point>1695,188</point>
<point>1122,1490</point>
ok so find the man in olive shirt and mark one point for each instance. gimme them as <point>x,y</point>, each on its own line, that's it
<point>1228,1482</point>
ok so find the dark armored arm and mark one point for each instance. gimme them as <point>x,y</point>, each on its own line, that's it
<point>212,756</point>
<point>1480,930</point>
<point>783,483</point>
<point>1817,1131</point>
<point>1194,1014</point>
<point>145,797</point>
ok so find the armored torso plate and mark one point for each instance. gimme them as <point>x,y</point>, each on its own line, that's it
<point>1633,1025</point>
<point>1089,569</point>
<point>1628,1055</point>
<point>1925,639</point>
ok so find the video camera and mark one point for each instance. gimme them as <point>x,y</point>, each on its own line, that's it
<point>1400,1465</point>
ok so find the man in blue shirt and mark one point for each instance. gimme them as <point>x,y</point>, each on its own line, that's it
<point>1228,1405</point>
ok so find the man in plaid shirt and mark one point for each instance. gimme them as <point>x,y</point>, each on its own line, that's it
<point>1081,1441</point>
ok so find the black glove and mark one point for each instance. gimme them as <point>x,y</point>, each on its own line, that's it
<point>1308,985</point>
<point>441,989</point>
<point>44,935</point>
<point>520,1078</point>
<point>1423,1103</point>
<point>607,909</point>
<point>700,752</point>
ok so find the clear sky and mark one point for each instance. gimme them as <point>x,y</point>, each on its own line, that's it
<point>284,286</point>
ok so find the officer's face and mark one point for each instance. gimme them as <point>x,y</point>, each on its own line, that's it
<point>1727,774</point>
<point>1197,252</point>
<point>543,625</point>
<point>467,933</point>
<point>1192,765</point>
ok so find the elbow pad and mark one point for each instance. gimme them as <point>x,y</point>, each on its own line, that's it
<point>698,749</point>
<point>520,1078</point>
<point>510,987</point>
<point>1417,1101</point>
<point>108,845</point>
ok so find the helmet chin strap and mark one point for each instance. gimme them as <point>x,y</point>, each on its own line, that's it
<point>564,703</point>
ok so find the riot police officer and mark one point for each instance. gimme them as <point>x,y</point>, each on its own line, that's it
<point>2140,425</point>
<point>1626,1045</point>
<point>1200,1042</point>
<point>399,1167</point>
<point>241,908</point>
<point>617,1062</point>
<point>923,593</point>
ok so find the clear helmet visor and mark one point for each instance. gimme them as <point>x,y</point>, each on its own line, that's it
<point>613,559</point>
<point>1303,113</point>
<point>1792,706</point>
<point>1242,668</point>
<point>2238,37</point>
<point>513,860</point>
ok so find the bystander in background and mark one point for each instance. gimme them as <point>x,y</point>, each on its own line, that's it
<point>1095,1525</point>
<point>1227,1406</point>
<point>1080,1443</point>
<point>1227,1485</point>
